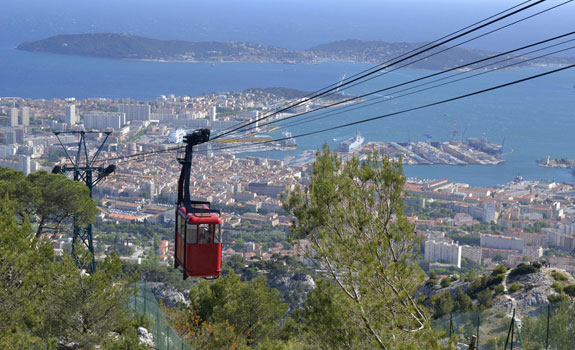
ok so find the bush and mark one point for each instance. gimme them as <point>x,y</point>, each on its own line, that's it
<point>495,280</point>
<point>558,276</point>
<point>499,270</point>
<point>570,290</point>
<point>442,304</point>
<point>445,282</point>
<point>537,265</point>
<point>498,289</point>
<point>485,298</point>
<point>558,287</point>
<point>557,298</point>
<point>514,287</point>
<point>523,269</point>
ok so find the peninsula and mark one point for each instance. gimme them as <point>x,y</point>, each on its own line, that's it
<point>126,46</point>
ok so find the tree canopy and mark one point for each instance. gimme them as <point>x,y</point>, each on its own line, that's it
<point>47,300</point>
<point>48,199</point>
<point>352,214</point>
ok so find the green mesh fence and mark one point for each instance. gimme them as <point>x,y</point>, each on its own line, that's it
<point>548,327</point>
<point>144,303</point>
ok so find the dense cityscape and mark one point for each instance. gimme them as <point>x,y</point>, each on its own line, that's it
<point>287,175</point>
<point>532,218</point>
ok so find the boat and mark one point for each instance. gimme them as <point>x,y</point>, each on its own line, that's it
<point>352,143</point>
<point>177,136</point>
<point>485,146</point>
<point>288,140</point>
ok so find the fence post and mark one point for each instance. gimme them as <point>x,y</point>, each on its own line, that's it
<point>450,323</point>
<point>477,334</point>
<point>158,326</point>
<point>548,316</point>
<point>512,329</point>
<point>168,336</point>
<point>510,332</point>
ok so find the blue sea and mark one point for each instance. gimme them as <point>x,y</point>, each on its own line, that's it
<point>533,119</point>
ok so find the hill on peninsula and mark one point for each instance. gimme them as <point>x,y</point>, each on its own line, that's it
<point>126,46</point>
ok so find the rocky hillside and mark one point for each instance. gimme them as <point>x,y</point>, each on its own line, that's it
<point>531,291</point>
<point>126,46</point>
<point>526,288</point>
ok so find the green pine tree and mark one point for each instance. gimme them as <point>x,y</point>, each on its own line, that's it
<point>353,216</point>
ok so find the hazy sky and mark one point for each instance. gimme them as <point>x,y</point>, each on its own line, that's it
<point>293,24</point>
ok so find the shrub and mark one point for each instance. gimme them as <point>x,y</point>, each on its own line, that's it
<point>570,290</point>
<point>514,287</point>
<point>557,298</point>
<point>558,287</point>
<point>495,280</point>
<point>500,314</point>
<point>558,276</point>
<point>445,282</point>
<point>485,298</point>
<point>498,289</point>
<point>442,304</point>
<point>499,270</point>
<point>523,269</point>
<point>537,264</point>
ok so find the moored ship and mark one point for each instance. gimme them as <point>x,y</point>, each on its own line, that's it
<point>352,143</point>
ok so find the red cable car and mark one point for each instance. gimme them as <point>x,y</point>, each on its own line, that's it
<point>198,232</point>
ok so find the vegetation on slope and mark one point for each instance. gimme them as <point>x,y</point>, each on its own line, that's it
<point>46,300</point>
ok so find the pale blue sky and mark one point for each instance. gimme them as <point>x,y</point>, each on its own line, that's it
<point>292,24</point>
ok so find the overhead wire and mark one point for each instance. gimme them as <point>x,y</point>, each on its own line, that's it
<point>382,67</point>
<point>244,129</point>
<point>461,43</point>
<point>345,109</point>
<point>174,149</point>
<point>311,95</point>
<point>158,152</point>
<point>452,99</point>
<point>387,89</point>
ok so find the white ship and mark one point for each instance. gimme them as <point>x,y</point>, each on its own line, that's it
<point>177,136</point>
<point>352,143</point>
<point>288,140</point>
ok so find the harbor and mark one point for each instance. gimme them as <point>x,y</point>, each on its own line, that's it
<point>471,151</point>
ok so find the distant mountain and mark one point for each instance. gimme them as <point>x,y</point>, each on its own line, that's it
<point>376,52</point>
<point>125,46</point>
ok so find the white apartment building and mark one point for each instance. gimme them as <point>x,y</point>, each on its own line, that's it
<point>436,251</point>
<point>501,242</point>
<point>104,120</point>
<point>13,117</point>
<point>71,116</point>
<point>135,112</point>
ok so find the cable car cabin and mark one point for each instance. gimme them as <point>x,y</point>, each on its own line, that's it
<point>198,228</point>
<point>198,242</point>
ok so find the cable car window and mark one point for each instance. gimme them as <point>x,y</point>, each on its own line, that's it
<point>181,225</point>
<point>218,234</point>
<point>192,237</point>
<point>205,234</point>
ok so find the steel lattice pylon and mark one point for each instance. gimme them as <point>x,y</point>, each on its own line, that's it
<point>84,170</point>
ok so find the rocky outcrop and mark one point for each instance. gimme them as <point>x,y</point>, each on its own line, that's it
<point>168,295</point>
<point>293,287</point>
<point>536,288</point>
<point>146,338</point>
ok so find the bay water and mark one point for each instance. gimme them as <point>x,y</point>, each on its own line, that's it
<point>533,119</point>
